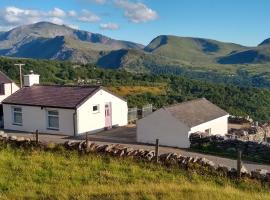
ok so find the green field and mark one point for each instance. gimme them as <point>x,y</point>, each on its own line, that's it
<point>65,175</point>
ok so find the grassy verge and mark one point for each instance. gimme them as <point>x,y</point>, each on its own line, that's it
<point>66,175</point>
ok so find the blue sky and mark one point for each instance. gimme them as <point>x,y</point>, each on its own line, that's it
<point>239,21</point>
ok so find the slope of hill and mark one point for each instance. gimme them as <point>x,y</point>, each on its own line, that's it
<point>255,55</point>
<point>163,54</point>
<point>190,50</point>
<point>53,40</point>
<point>265,42</point>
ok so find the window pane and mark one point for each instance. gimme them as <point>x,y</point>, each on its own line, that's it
<point>17,109</point>
<point>53,122</point>
<point>96,108</point>
<point>51,112</point>
<point>17,118</point>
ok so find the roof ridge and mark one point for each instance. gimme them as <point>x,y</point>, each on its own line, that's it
<point>185,102</point>
<point>79,86</point>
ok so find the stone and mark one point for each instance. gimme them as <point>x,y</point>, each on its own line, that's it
<point>150,155</point>
<point>223,169</point>
<point>13,138</point>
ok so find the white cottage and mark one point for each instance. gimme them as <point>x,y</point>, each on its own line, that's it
<point>172,125</point>
<point>67,110</point>
<point>7,86</point>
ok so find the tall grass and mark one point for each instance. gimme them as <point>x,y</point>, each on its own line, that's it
<point>66,175</point>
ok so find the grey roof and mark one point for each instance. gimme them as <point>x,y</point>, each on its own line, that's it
<point>195,112</point>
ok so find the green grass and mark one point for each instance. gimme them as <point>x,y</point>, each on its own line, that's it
<point>48,175</point>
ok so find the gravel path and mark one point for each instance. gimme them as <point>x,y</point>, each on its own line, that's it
<point>127,136</point>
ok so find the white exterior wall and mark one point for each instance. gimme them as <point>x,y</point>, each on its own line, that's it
<point>10,88</point>
<point>90,122</point>
<point>163,126</point>
<point>218,126</point>
<point>35,118</point>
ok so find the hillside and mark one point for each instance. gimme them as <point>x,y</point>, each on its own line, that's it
<point>265,42</point>
<point>195,57</point>
<point>51,41</point>
<point>258,55</point>
<point>173,54</point>
<point>238,96</point>
<point>190,50</point>
<point>66,175</point>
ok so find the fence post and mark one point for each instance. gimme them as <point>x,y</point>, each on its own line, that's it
<point>239,163</point>
<point>36,137</point>
<point>86,139</point>
<point>157,150</point>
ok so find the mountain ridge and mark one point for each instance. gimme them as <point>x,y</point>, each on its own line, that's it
<point>45,40</point>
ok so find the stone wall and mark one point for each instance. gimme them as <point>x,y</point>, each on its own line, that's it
<point>200,165</point>
<point>250,149</point>
<point>258,133</point>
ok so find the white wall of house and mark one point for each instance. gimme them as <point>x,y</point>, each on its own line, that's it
<point>218,126</point>
<point>35,118</point>
<point>89,121</point>
<point>163,126</point>
<point>10,88</point>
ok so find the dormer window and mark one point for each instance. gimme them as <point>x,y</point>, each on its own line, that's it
<point>2,89</point>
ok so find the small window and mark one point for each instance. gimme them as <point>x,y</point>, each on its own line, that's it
<point>208,131</point>
<point>2,89</point>
<point>95,109</point>
<point>17,116</point>
<point>53,119</point>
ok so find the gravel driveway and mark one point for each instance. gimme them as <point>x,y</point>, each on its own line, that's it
<point>127,137</point>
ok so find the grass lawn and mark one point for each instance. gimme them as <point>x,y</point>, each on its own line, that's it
<point>66,175</point>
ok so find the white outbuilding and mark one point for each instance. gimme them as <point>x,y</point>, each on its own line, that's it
<point>63,110</point>
<point>173,125</point>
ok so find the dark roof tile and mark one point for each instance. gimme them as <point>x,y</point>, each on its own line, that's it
<point>51,95</point>
<point>4,78</point>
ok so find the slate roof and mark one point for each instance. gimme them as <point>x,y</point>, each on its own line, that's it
<point>4,78</point>
<point>195,112</point>
<point>51,96</point>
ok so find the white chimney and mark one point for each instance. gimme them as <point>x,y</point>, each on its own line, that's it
<point>30,79</point>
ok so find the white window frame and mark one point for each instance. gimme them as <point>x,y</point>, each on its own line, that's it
<point>98,108</point>
<point>13,115</point>
<point>208,131</point>
<point>52,115</point>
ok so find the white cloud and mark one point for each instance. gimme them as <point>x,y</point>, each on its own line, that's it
<point>11,17</point>
<point>99,1</point>
<point>109,26</point>
<point>72,26</point>
<point>57,12</point>
<point>56,20</point>
<point>87,16</point>
<point>136,12</point>
<point>72,13</point>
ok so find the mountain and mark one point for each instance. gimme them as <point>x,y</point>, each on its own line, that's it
<point>164,53</point>
<point>257,55</point>
<point>265,42</point>
<point>51,41</point>
<point>190,50</point>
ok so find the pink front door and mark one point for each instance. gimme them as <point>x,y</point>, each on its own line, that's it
<point>108,115</point>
